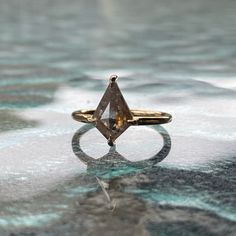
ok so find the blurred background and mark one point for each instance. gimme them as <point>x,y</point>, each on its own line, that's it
<point>177,56</point>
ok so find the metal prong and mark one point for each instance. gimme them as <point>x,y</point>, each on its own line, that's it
<point>113,78</point>
<point>110,142</point>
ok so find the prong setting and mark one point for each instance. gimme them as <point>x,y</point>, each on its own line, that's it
<point>113,78</point>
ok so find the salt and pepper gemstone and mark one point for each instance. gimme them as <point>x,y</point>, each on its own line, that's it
<point>112,113</point>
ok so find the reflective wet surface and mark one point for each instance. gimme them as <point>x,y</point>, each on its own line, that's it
<point>172,56</point>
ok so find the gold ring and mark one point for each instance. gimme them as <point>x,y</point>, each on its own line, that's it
<point>113,116</point>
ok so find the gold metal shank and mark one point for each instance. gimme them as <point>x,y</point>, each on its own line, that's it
<point>140,117</point>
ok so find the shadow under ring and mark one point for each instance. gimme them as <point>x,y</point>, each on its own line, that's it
<point>115,159</point>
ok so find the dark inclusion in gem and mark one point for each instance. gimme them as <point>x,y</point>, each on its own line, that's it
<point>112,113</point>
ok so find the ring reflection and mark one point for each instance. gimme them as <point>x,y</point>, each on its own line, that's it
<point>113,158</point>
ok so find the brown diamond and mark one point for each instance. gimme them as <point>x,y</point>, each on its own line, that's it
<point>112,113</point>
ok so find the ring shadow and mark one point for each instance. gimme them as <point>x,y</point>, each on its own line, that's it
<point>113,159</point>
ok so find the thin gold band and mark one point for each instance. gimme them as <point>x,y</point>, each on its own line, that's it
<point>140,117</point>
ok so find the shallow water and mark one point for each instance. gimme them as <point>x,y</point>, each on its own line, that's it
<point>174,56</point>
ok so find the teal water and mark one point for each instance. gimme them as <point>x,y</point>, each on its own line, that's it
<point>175,56</point>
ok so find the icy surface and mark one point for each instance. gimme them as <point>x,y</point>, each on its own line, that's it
<point>174,56</point>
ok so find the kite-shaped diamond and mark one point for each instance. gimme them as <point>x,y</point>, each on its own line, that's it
<point>112,113</point>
